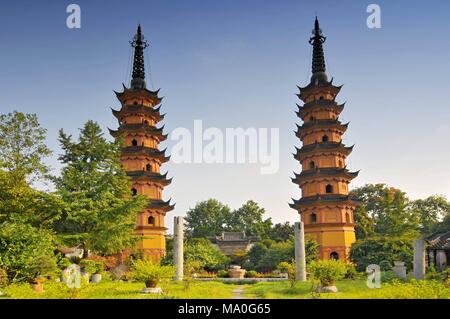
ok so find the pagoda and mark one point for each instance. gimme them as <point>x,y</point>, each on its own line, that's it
<point>141,158</point>
<point>325,206</point>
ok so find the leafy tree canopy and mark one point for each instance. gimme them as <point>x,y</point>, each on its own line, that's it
<point>100,212</point>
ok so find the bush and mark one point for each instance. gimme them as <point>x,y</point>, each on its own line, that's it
<point>26,252</point>
<point>327,271</point>
<point>3,278</point>
<point>251,274</point>
<point>388,276</point>
<point>222,274</point>
<point>284,267</point>
<point>63,263</point>
<point>88,266</point>
<point>350,272</point>
<point>151,273</point>
<point>266,255</point>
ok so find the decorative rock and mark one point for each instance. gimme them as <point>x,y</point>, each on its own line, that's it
<point>96,278</point>
<point>300,255</point>
<point>328,289</point>
<point>156,290</point>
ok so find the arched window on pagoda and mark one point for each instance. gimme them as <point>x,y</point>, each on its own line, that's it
<point>151,220</point>
<point>329,189</point>
<point>134,191</point>
<point>313,218</point>
<point>134,142</point>
<point>325,138</point>
<point>148,167</point>
<point>312,165</point>
<point>341,164</point>
<point>321,97</point>
<point>347,218</point>
<point>334,256</point>
<point>312,118</point>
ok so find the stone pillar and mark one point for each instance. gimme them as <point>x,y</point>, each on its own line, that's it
<point>400,269</point>
<point>300,258</point>
<point>178,239</point>
<point>419,259</point>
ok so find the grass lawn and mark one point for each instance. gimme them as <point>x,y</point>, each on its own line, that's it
<point>348,289</point>
<point>121,290</point>
<point>351,289</point>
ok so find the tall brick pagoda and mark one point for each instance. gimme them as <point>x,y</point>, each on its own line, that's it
<point>141,157</point>
<point>325,206</point>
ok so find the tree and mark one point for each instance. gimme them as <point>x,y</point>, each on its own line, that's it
<point>207,218</point>
<point>22,145</point>
<point>249,219</point>
<point>266,255</point>
<point>100,213</point>
<point>382,251</point>
<point>386,210</point>
<point>281,232</point>
<point>431,211</point>
<point>200,251</point>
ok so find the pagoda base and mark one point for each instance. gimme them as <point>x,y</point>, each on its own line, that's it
<point>334,241</point>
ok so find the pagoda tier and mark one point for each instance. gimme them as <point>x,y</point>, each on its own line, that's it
<point>325,206</point>
<point>142,153</point>
<point>325,126</point>
<point>307,109</point>
<point>140,156</point>
<point>322,148</point>
<point>140,129</point>
<point>139,110</point>
<point>319,174</point>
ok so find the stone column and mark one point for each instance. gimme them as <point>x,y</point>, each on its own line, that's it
<point>300,258</point>
<point>178,239</point>
<point>419,259</point>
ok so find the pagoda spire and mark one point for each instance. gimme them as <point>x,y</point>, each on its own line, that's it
<point>318,58</point>
<point>138,76</point>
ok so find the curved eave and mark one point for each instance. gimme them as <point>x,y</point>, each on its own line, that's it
<point>304,110</point>
<point>323,200</point>
<point>161,205</point>
<point>138,110</point>
<point>138,92</point>
<point>311,88</point>
<point>149,176</point>
<point>320,124</point>
<point>145,151</point>
<point>140,128</point>
<point>322,148</point>
<point>315,174</point>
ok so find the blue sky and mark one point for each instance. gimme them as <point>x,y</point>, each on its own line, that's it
<point>237,64</point>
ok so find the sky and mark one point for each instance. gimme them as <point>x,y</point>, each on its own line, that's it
<point>237,64</point>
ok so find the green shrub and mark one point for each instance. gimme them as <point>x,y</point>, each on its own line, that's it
<point>350,272</point>
<point>251,274</point>
<point>284,267</point>
<point>388,276</point>
<point>222,274</point>
<point>3,278</point>
<point>327,271</point>
<point>63,263</point>
<point>26,252</point>
<point>88,266</point>
<point>144,270</point>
